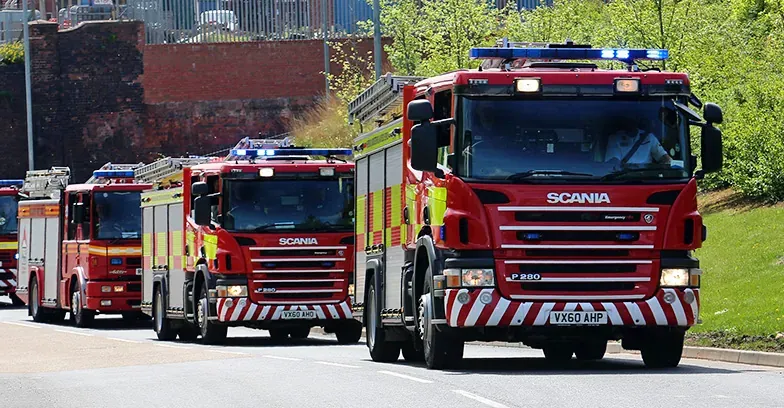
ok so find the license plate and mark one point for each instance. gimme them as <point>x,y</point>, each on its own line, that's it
<point>578,318</point>
<point>298,314</point>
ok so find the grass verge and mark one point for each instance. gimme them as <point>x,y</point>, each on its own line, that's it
<point>743,281</point>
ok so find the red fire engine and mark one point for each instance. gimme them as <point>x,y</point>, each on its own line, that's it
<point>262,238</point>
<point>539,198</point>
<point>80,244</point>
<point>9,196</point>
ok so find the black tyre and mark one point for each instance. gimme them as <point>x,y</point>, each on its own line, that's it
<point>411,353</point>
<point>590,351</point>
<point>134,316</point>
<point>161,324</point>
<point>211,333</point>
<point>15,300</point>
<point>300,333</point>
<point>349,333</point>
<point>440,349</point>
<point>34,307</point>
<point>381,350</point>
<point>188,332</point>
<point>56,316</point>
<point>558,352</point>
<point>279,334</point>
<point>80,316</point>
<point>663,350</point>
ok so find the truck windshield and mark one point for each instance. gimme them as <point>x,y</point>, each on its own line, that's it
<point>299,205</point>
<point>8,223</point>
<point>116,215</point>
<point>575,139</point>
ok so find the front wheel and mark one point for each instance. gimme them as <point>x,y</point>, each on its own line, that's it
<point>211,333</point>
<point>279,335</point>
<point>300,333</point>
<point>440,349</point>
<point>590,351</point>
<point>16,300</point>
<point>558,352</point>
<point>381,351</point>
<point>663,350</point>
<point>349,333</point>
<point>34,307</point>
<point>79,315</point>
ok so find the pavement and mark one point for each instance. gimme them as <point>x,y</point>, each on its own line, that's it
<point>119,365</point>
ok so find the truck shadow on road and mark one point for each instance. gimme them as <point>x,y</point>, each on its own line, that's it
<point>108,324</point>
<point>608,366</point>
<point>264,341</point>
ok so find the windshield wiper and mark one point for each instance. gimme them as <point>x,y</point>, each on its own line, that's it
<point>273,226</point>
<point>628,170</point>
<point>531,173</point>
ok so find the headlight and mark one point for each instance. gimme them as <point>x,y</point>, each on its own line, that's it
<point>119,288</point>
<point>232,291</point>
<point>478,277</point>
<point>351,289</point>
<point>106,289</point>
<point>674,277</point>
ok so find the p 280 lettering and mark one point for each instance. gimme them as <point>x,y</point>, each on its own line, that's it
<point>526,277</point>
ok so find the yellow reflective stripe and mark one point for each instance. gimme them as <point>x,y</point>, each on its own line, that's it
<point>161,247</point>
<point>360,219</point>
<point>211,245</point>
<point>378,212</point>
<point>396,205</point>
<point>437,204</point>
<point>147,243</point>
<point>9,245</point>
<point>176,243</point>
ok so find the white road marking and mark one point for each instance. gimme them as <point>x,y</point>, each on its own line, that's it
<point>123,340</point>
<point>407,377</point>
<point>228,352</point>
<point>336,364</point>
<point>32,326</point>
<point>483,400</point>
<point>75,332</point>
<point>282,358</point>
<point>172,346</point>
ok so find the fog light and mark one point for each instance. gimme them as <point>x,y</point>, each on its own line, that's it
<point>119,288</point>
<point>527,85</point>
<point>266,172</point>
<point>486,298</point>
<point>669,297</point>
<point>463,297</point>
<point>229,302</point>
<point>327,171</point>
<point>106,303</point>
<point>478,277</point>
<point>106,289</point>
<point>231,290</point>
<point>351,290</point>
<point>627,85</point>
<point>689,297</point>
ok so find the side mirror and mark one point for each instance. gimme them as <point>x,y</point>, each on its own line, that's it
<point>713,113</point>
<point>420,110</point>
<point>712,157</point>
<point>201,209</point>
<point>78,215</point>
<point>199,188</point>
<point>424,147</point>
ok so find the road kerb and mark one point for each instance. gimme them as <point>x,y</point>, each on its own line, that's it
<point>700,353</point>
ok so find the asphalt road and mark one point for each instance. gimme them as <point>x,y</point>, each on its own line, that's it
<point>114,365</point>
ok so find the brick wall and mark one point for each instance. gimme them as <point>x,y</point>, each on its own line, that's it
<point>99,95</point>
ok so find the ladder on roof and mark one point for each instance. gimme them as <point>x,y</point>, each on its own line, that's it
<point>112,166</point>
<point>167,170</point>
<point>249,144</point>
<point>46,183</point>
<point>380,98</point>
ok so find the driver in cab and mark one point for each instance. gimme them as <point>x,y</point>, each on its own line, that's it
<point>630,144</point>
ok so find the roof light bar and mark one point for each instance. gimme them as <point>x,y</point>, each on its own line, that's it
<point>11,183</point>
<point>569,53</point>
<point>290,152</point>
<point>113,173</point>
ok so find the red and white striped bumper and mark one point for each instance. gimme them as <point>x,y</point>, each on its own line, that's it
<point>244,309</point>
<point>8,285</point>
<point>486,308</point>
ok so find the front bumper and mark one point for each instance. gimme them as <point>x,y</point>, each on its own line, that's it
<point>486,308</point>
<point>243,309</point>
<point>8,281</point>
<point>128,300</point>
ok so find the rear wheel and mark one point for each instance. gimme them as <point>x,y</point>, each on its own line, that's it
<point>590,350</point>
<point>663,350</point>
<point>411,353</point>
<point>299,333</point>
<point>279,334</point>
<point>15,300</point>
<point>380,350</point>
<point>80,316</point>
<point>188,332</point>
<point>36,311</point>
<point>161,324</point>
<point>211,333</point>
<point>349,333</point>
<point>558,352</point>
<point>440,349</point>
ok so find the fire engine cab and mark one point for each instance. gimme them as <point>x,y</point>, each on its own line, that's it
<point>9,197</point>
<point>80,244</point>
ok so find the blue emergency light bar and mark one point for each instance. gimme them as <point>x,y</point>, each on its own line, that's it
<point>11,183</point>
<point>290,152</point>
<point>569,53</point>
<point>113,173</point>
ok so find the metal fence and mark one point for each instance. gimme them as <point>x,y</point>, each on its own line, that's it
<point>11,18</point>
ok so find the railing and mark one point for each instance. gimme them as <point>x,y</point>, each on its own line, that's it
<point>11,18</point>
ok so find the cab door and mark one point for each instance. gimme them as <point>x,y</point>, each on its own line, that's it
<point>70,245</point>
